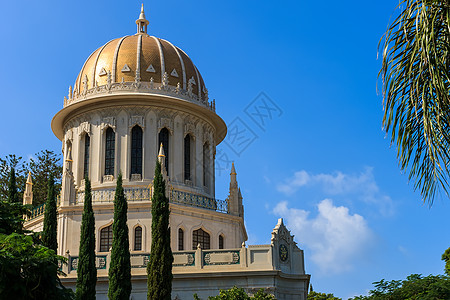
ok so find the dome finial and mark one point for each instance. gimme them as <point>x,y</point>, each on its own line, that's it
<point>142,22</point>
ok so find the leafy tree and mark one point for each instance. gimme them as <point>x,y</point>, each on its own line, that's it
<point>159,268</point>
<point>6,164</point>
<point>312,295</point>
<point>45,164</point>
<point>28,270</point>
<point>416,83</point>
<point>50,222</point>
<point>431,287</point>
<point>87,271</point>
<point>236,293</point>
<point>120,266</point>
<point>446,257</point>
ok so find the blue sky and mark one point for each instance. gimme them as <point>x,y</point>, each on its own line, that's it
<point>320,160</point>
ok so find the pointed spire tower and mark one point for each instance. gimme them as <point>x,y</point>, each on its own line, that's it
<point>235,206</point>
<point>28,194</point>
<point>142,22</point>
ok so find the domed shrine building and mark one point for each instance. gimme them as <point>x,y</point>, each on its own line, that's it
<point>135,99</point>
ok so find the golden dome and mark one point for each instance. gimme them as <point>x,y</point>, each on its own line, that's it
<point>140,58</point>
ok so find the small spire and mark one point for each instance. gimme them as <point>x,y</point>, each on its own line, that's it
<point>161,151</point>
<point>142,22</point>
<point>233,170</point>
<point>29,179</point>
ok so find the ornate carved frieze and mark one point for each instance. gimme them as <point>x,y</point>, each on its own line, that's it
<point>165,122</point>
<point>108,122</point>
<point>189,128</point>
<point>163,88</point>
<point>137,120</point>
<point>84,127</point>
<point>108,178</point>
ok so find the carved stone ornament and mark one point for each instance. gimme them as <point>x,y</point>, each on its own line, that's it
<point>108,122</point>
<point>189,128</point>
<point>69,135</point>
<point>165,122</point>
<point>281,234</point>
<point>136,177</point>
<point>137,120</point>
<point>84,127</point>
<point>108,178</point>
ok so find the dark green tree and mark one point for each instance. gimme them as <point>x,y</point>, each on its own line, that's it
<point>312,295</point>
<point>120,266</point>
<point>446,258</point>
<point>87,271</point>
<point>415,286</point>
<point>13,196</point>
<point>159,268</point>
<point>12,161</point>
<point>50,221</point>
<point>28,270</point>
<point>236,293</point>
<point>45,164</point>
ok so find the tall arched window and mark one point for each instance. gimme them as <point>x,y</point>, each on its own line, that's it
<point>87,146</point>
<point>106,239</point>
<point>187,157</point>
<point>205,163</point>
<point>180,239</point>
<point>164,139</point>
<point>200,237</point>
<point>136,150</point>
<point>110,147</point>
<point>220,241</point>
<point>138,238</point>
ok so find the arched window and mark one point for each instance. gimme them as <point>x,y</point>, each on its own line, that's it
<point>220,241</point>
<point>205,163</point>
<point>110,151</point>
<point>136,150</point>
<point>164,139</point>
<point>138,238</point>
<point>180,239</point>
<point>187,157</point>
<point>106,239</point>
<point>200,237</point>
<point>87,146</point>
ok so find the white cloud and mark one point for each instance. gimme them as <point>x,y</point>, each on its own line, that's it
<point>335,237</point>
<point>362,185</point>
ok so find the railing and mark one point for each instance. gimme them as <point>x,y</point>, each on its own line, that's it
<point>144,194</point>
<point>107,195</point>
<point>37,211</point>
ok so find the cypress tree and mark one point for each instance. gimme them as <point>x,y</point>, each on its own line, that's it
<point>13,196</point>
<point>50,222</point>
<point>159,268</point>
<point>87,271</point>
<point>120,266</point>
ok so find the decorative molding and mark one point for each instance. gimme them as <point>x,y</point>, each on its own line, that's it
<point>136,177</point>
<point>108,122</point>
<point>137,120</point>
<point>154,88</point>
<point>125,69</point>
<point>165,122</point>
<point>84,127</point>
<point>151,69</point>
<point>108,178</point>
<point>102,72</point>
<point>189,128</point>
<point>174,73</point>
